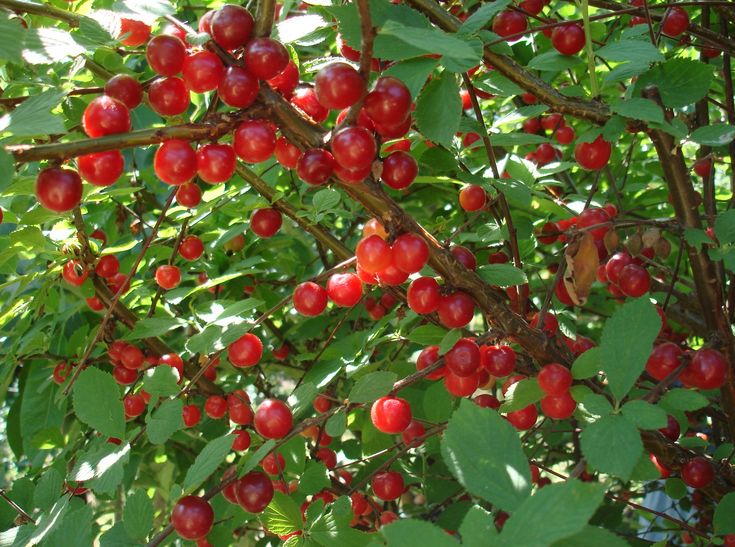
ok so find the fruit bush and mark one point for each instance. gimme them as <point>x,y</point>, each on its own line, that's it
<point>367,273</point>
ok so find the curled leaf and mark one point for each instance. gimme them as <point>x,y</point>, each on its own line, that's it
<point>582,262</point>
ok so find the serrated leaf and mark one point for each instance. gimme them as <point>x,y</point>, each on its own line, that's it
<point>552,61</point>
<point>154,326</point>
<point>161,381</point>
<point>449,340</point>
<point>314,478</point>
<point>97,402</point>
<point>138,515</point>
<point>325,200</point>
<point>587,365</point>
<point>427,335</point>
<point>680,82</point>
<point>439,109</point>
<point>521,394</point>
<point>612,445</point>
<point>592,535</point>
<point>634,52</point>
<point>372,386</point>
<point>639,109</point>
<point>33,116</point>
<point>502,275</point>
<point>675,488</point>
<point>683,399</point>
<point>101,468</point>
<point>411,532</point>
<point>336,424</point>
<point>49,45</point>
<point>48,489</point>
<point>165,421</point>
<point>207,461</point>
<point>282,516</point>
<point>718,134</point>
<point>477,527</point>
<point>644,414</point>
<point>725,227</point>
<point>482,16</point>
<point>724,519</point>
<point>13,35</point>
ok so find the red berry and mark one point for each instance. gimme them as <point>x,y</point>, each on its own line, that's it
<point>192,517</point>
<point>286,80</point>
<point>387,485</point>
<point>414,430</point>
<point>509,22</point>
<point>166,54</point>
<point>246,351</point>
<point>423,295</point>
<point>707,369</point>
<point>675,21</point>
<point>399,170</point>
<point>309,298</point>
<point>215,407</point>
<point>202,71</point>
<point>338,86</point>
<point>703,167</point>
<point>391,276</point>
<point>304,97</point>
<point>105,116</point>
<point>124,376</point>
<point>672,429</point>
<point>58,189</point>
<point>554,379</point>
<point>615,265</point>
<point>169,96</point>
<point>191,415</point>
<point>344,289</point>
<point>265,58</point>
<point>215,162</point>
<point>461,386</point>
<point>231,26</point>
<point>389,103</point>
<point>498,360</point>
<point>188,195</point>
<point>273,419</point>
<point>254,491</point>
<point>594,217</point>
<point>266,222</point>
<point>322,404</point>
<point>593,155</point>
<point>135,32</point>
<point>101,168</point>
<point>315,166</point>
<point>485,400</point>
<point>464,358</point>
<point>565,135</point>
<point>464,256</point>
<point>550,326</point>
<point>125,89</point>
<point>568,39</point>
<point>428,356</point>
<point>558,407</point>
<point>354,147</point>
<point>133,405</point>
<point>286,153</point>
<point>175,162</point>
<point>107,266</point>
<point>238,88</point>
<point>472,198</point>
<point>634,280</point>
<point>456,310</point>
<point>523,419</point>
<point>352,176</point>
<point>409,253</point>
<point>168,277</point>
<point>327,456</point>
<point>698,472</point>
<point>390,414</point>
<point>373,254</point>
<point>254,141</point>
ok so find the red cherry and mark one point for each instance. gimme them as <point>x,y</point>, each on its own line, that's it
<point>175,162</point>
<point>509,22</point>
<point>315,166</point>
<point>133,405</point>
<point>174,361</point>
<point>101,168</point>
<point>565,135</point>
<point>238,88</point>
<point>95,304</point>
<point>391,276</point>
<point>464,358</point>
<point>554,379</point>
<point>58,189</point>
<point>707,369</point>
<point>568,39</point>
<point>594,217</point>
<point>168,96</point>
<point>423,295</point>
<point>125,89</point>
<point>205,22</point>
<point>672,429</point>
<point>215,162</point>
<point>485,400</point>
<point>344,289</point>
<point>191,415</point>
<point>191,248</point>
<point>74,273</point>
<point>282,352</point>
<point>273,419</point>
<point>202,71</point>
<point>428,356</point>
<point>533,7</point>
<point>464,256</point>
<point>273,463</point>
<point>593,155</point>
<point>498,258</point>
<point>523,419</point>
<point>166,54</point>
<point>327,456</point>
<point>615,265</point>
<point>192,517</point>
<point>352,176</point>
<point>188,195</point>
<point>703,167</point>
<point>675,21</point>
<point>265,58</point>
<point>373,254</point>
<point>461,386</point>
<point>354,147</point>
<point>414,430</point>
<point>409,253</point>
<point>168,277</point>
<point>387,485</point>
<point>309,298</point>
<point>456,310</point>
<point>254,141</point>
<point>634,280</point>
<point>395,131</point>
<point>399,170</point>
<point>286,153</point>
<point>215,407</point>
<point>338,86</point>
<point>254,491</point>
<point>266,222</point>
<point>246,351</point>
<point>135,32</point>
<point>124,376</point>
<point>304,97</point>
<point>558,407</point>
<point>322,404</point>
<point>105,116</point>
<point>698,472</point>
<point>390,414</point>
<point>107,266</point>
<point>286,80</point>
<point>498,360</point>
<point>241,441</point>
<point>532,126</point>
<point>550,326</point>
<point>389,103</point>
<point>173,30</point>
<point>472,198</point>
<point>231,26</point>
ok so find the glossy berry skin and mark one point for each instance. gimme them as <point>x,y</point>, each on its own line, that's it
<point>133,405</point>
<point>523,419</point>
<point>373,254</point>
<point>703,167</point>
<point>464,358</point>
<point>389,103</point>
<point>286,153</point>
<point>101,168</point>
<point>568,39</point>
<point>391,276</point>
<point>231,26</point>
<point>594,155</point>
<point>124,376</point>
<point>675,22</point>
<point>565,135</point>
<point>698,472</point>
<point>273,419</point>
<point>215,407</point>
<point>265,58</point>
<point>409,253</point>
<point>74,273</point>
<point>254,491</point>
<point>509,22</point>
<point>353,147</point>
<point>428,356</point>
<point>558,407</point>
<point>707,369</point>
<point>485,400</point>
<point>399,170</point>
<point>191,415</point>
<point>594,216</point>
<point>125,89</point>
<point>266,222</point>
<point>672,429</point>
<point>615,265</point>
<point>188,195</point>
<point>286,81</point>
<point>273,463</point>
<point>202,71</point>
<point>472,198</point>
<point>107,266</point>
<point>461,386</point>
<point>663,360</point>
<point>464,256</point>
<point>387,485</point>
<point>396,131</point>
<point>175,162</point>
<point>246,351</point>
<point>634,280</point>
<point>456,310</point>
<point>136,32</point>
<point>58,189</point>
<point>554,379</point>
<point>254,141</point>
<point>166,54</point>
<point>169,96</point>
<point>215,162</point>
<point>309,299</point>
<point>391,415</point>
<point>192,517</point>
<point>238,88</point>
<point>304,97</point>
<point>105,116</point>
<point>423,295</point>
<point>315,166</point>
<point>191,248</point>
<point>344,289</point>
<point>168,277</point>
<point>338,86</point>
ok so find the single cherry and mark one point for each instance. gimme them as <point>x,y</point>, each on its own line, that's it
<point>309,298</point>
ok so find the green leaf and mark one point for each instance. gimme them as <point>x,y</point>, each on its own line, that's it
<point>372,386</point>
<point>282,516</point>
<point>483,451</point>
<point>557,511</point>
<point>630,51</point>
<point>626,343</point>
<point>725,227</point>
<point>161,381</point>
<point>101,468</point>
<point>154,326</point>
<point>591,535</point>
<point>477,527</point>
<point>207,461</point>
<point>680,82</point>
<point>49,45</point>
<point>521,394</point>
<point>97,402</point>
<point>295,28</point>
<point>644,414</point>
<point>516,139</point>
<point>336,424</point>
<point>593,405</point>
<point>302,397</point>
<point>165,421</point>
<point>639,109</point>
<point>332,528</point>
<point>33,116</point>
<point>13,35</point>
<point>675,488</point>
<point>449,340</point>
<point>325,200</point>
<point>552,61</point>
<point>427,335</point>
<point>696,237</point>
<point>48,489</point>
<point>145,10</point>
<point>502,275</point>
<point>257,456</point>
<point>683,399</point>
<point>413,72</point>
<point>612,445</point>
<point>587,365</point>
<point>314,478</point>
<point>718,134</point>
<point>138,515</point>
<point>482,16</point>
<point>411,532</point>
<point>117,536</point>
<point>724,519</point>
<point>439,108</point>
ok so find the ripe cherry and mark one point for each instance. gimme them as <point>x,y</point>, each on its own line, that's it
<point>105,116</point>
<point>191,248</point>
<point>254,491</point>
<point>523,419</point>
<point>464,358</point>
<point>202,71</point>
<point>241,442</point>
<point>246,351</point>
<point>472,198</point>
<point>304,97</point>
<point>554,379</point>
<point>94,303</point>
<point>558,407</point>
<point>286,153</point>
<point>509,22</point>
<point>423,295</point>
<point>286,81</point>
<point>594,216</point>
<point>215,162</point>
<point>391,276</point>
<point>273,419</point>
<point>373,254</point>
<point>703,167</point>
<point>634,280</point>
<point>168,277</point>
<point>327,456</point>
<point>565,135</point>
<point>354,147</point>
<point>396,131</point>
<point>107,266</point>
<point>707,369</point>
<point>672,429</point>
<point>175,162</point>
<point>58,189</point>
<point>74,273</point>
<point>533,7</point>
<point>428,356</point>
<point>281,352</point>
<point>461,386</point>
<point>266,222</point>
<point>568,39</point>
<point>124,376</point>
<point>191,415</point>
<point>456,310</point>
<point>273,463</point>
<point>131,357</point>
<point>498,360</point>
<point>344,289</point>
<point>593,155</point>
<point>309,298</point>
<point>399,170</point>
<point>192,517</point>
<point>231,26</point>
<point>238,88</point>
<point>133,33</point>
<point>125,89</point>
<point>338,86</point>
<point>550,326</point>
<point>414,430</point>
<point>168,96</point>
<point>387,485</point>
<point>215,407</point>
<point>205,22</point>
<point>485,400</point>
<point>322,404</point>
<point>698,472</point>
<point>61,372</point>
<point>133,405</point>
<point>464,256</point>
<point>409,253</point>
<point>166,54</point>
<point>390,414</point>
<point>389,103</point>
<point>189,195</point>
<point>101,168</point>
<point>352,176</point>
<point>254,141</point>
<point>615,265</point>
<point>315,166</point>
<point>675,21</point>
<point>265,58</point>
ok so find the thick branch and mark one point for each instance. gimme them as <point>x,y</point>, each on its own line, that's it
<point>46,10</point>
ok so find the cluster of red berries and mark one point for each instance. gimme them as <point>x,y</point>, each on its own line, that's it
<point>706,368</point>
